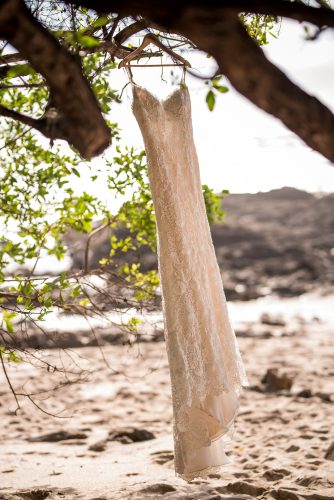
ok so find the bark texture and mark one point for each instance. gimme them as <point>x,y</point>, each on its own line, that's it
<point>213,26</point>
<point>79,118</point>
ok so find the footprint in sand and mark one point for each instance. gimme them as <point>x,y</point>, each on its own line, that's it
<point>28,495</point>
<point>158,489</point>
<point>244,488</point>
<point>284,494</point>
<point>163,457</point>
<point>292,448</point>
<point>276,474</point>
<point>315,481</point>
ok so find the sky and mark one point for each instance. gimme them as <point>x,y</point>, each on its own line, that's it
<point>240,147</point>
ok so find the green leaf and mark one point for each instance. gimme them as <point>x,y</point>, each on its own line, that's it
<point>210,100</point>
<point>20,70</point>
<point>88,41</point>
<point>101,21</point>
<point>221,88</point>
<point>48,302</point>
<point>9,326</point>
<point>76,291</point>
<point>12,356</point>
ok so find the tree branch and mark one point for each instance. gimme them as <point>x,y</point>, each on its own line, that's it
<point>82,124</point>
<point>250,72</point>
<point>319,16</point>
<point>52,128</point>
<point>164,13</point>
<point>130,30</point>
<point>26,120</point>
<point>18,407</point>
<point>214,26</point>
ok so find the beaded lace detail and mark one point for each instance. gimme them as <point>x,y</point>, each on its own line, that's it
<point>206,369</point>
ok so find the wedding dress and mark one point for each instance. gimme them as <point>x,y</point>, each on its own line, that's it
<point>206,369</point>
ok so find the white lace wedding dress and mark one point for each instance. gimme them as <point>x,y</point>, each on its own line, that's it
<point>205,365</point>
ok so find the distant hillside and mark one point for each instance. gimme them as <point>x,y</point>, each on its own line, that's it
<point>279,242</point>
<point>282,240</point>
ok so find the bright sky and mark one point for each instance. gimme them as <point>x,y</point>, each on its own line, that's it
<point>240,147</point>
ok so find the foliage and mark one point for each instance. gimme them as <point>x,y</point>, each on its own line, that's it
<point>38,200</point>
<point>215,87</point>
<point>213,204</point>
<point>260,26</point>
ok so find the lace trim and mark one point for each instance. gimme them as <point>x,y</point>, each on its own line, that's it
<point>201,474</point>
<point>226,436</point>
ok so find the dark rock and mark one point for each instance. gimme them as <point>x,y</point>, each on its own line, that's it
<point>266,319</point>
<point>129,435</point>
<point>324,396</point>
<point>98,446</point>
<point>274,381</point>
<point>54,437</point>
<point>28,495</point>
<point>305,393</point>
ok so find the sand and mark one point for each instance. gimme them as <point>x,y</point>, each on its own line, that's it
<point>281,438</point>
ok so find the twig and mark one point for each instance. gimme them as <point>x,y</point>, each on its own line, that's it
<point>113,28</point>
<point>10,384</point>
<point>22,85</point>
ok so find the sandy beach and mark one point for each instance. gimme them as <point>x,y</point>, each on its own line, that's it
<point>115,441</point>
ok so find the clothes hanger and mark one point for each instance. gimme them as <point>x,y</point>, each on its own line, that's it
<point>148,39</point>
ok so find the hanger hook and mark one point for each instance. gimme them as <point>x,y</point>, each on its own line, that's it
<point>183,79</point>
<point>148,39</point>
<point>127,68</point>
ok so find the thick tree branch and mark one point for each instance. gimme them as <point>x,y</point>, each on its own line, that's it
<point>26,120</point>
<point>52,128</point>
<point>214,26</point>
<point>11,58</point>
<point>319,16</point>
<point>250,72</point>
<point>82,124</point>
<point>165,13</point>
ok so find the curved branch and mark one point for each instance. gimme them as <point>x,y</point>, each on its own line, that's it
<point>52,128</point>
<point>130,30</point>
<point>214,26</point>
<point>26,120</point>
<point>255,77</point>
<point>82,123</point>
<point>164,13</point>
<point>11,58</point>
<point>319,16</point>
